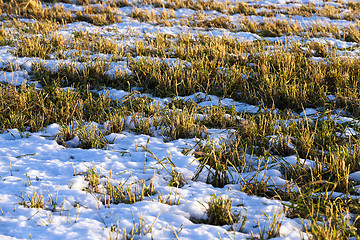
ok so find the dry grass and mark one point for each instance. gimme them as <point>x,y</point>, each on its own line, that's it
<point>34,9</point>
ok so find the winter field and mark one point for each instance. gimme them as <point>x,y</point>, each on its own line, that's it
<point>179,119</point>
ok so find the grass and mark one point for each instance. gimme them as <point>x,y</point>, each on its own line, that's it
<point>282,78</point>
<point>34,9</point>
<point>274,223</point>
<point>29,109</point>
<point>39,47</point>
<point>177,179</point>
<point>34,201</point>
<point>181,124</point>
<point>170,199</point>
<point>129,194</point>
<point>219,211</point>
<point>139,228</point>
<point>109,191</point>
<point>292,87</point>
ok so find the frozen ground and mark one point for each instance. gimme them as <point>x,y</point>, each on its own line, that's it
<point>37,163</point>
<point>34,163</point>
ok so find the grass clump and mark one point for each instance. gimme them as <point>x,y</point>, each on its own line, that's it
<point>92,138</point>
<point>220,161</point>
<point>109,191</point>
<point>219,117</point>
<point>129,194</point>
<point>93,176</point>
<point>70,75</point>
<point>219,211</point>
<point>40,47</point>
<point>85,136</point>
<point>181,124</point>
<point>96,43</point>
<point>34,201</point>
<point>171,199</point>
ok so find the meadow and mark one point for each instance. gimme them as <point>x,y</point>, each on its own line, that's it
<point>179,119</point>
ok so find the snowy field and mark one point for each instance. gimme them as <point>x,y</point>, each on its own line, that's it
<point>128,137</point>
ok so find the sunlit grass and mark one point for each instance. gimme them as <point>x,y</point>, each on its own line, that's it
<point>281,78</point>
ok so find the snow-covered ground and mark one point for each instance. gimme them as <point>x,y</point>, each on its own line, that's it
<point>37,163</point>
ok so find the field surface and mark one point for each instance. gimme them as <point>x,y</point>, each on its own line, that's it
<point>179,119</point>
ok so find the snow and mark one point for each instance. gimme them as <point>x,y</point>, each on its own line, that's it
<point>355,176</point>
<point>308,112</point>
<point>36,163</point>
<point>14,78</point>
